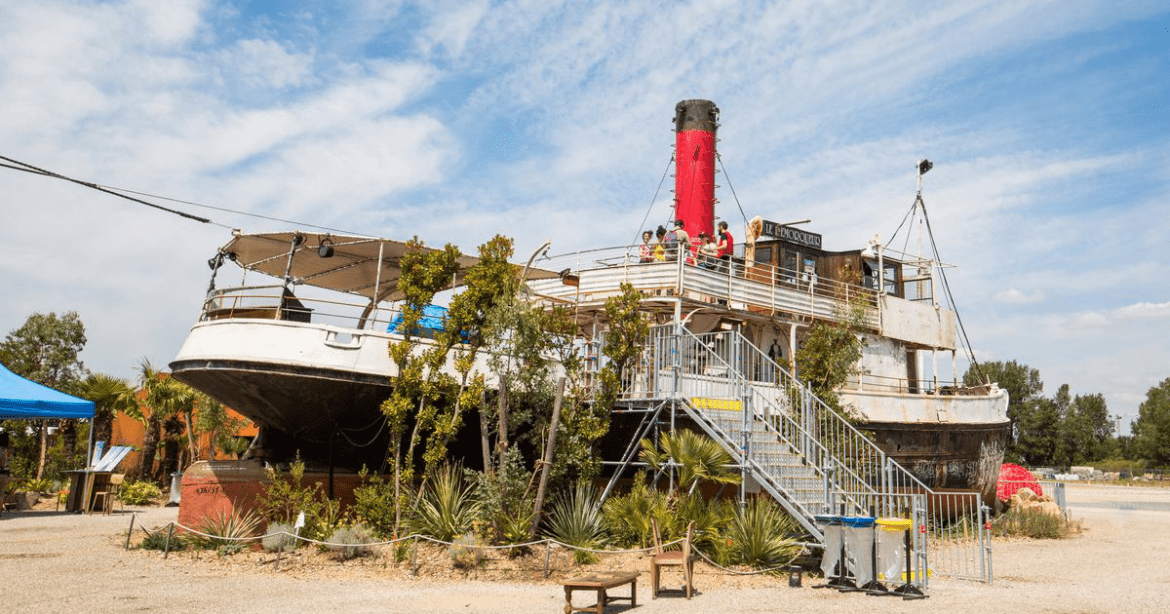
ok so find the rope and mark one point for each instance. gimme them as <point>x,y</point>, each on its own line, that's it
<point>412,536</point>
<point>737,572</point>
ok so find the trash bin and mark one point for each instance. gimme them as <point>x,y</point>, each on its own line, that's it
<point>831,526</point>
<point>891,535</point>
<point>859,547</point>
<point>176,489</point>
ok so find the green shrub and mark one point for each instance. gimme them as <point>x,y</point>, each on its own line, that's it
<point>758,535</point>
<point>226,531</point>
<point>139,493</point>
<point>158,541</point>
<point>348,542</point>
<point>465,554</point>
<point>374,505</point>
<point>1032,523</point>
<point>575,520</point>
<point>627,517</point>
<point>280,534</point>
<point>43,485</point>
<point>287,496</point>
<point>447,506</point>
<point>712,519</point>
<point>505,499</point>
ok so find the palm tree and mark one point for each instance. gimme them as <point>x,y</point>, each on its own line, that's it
<point>164,400</point>
<point>696,458</point>
<point>110,395</point>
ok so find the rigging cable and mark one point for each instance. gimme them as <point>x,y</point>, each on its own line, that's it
<point>28,168</point>
<point>121,193</point>
<point>733,194</point>
<point>947,289</point>
<point>653,200</point>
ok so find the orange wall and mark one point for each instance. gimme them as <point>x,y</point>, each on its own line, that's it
<point>129,432</point>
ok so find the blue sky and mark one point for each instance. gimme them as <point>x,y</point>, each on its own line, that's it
<point>1046,120</point>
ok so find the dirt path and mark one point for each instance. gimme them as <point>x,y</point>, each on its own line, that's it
<point>52,562</point>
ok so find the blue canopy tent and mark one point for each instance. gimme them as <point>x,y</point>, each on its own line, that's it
<point>22,399</point>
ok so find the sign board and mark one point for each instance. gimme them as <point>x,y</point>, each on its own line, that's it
<point>792,235</point>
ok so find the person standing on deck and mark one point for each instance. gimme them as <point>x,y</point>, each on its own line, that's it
<point>660,244</point>
<point>726,245</point>
<point>646,250</point>
<point>682,241</point>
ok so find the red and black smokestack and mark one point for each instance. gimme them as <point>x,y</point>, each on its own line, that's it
<point>695,122</point>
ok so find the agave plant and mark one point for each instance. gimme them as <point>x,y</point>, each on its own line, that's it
<point>576,520</point>
<point>759,535</point>
<point>447,507</point>
<point>225,529</point>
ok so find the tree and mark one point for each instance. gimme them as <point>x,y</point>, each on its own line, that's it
<point>220,426</point>
<point>110,395</point>
<point>1024,389</point>
<point>1151,430</point>
<point>45,350</point>
<point>696,458</point>
<point>163,401</point>
<point>1083,431</point>
<point>420,382</point>
<point>830,353</point>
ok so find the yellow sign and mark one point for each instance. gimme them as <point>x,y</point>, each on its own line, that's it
<point>717,404</point>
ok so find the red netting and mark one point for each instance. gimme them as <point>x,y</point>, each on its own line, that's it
<point>1014,477</point>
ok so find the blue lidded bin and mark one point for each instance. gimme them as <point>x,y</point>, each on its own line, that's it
<point>859,547</point>
<point>832,527</point>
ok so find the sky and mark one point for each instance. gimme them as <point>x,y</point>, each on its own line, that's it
<point>1047,122</point>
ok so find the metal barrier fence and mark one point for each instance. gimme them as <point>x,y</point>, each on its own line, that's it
<point>803,453</point>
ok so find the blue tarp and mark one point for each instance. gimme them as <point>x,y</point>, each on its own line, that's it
<point>27,400</point>
<point>431,321</point>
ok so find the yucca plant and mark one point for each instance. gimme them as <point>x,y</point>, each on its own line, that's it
<point>447,507</point>
<point>576,520</point>
<point>758,535</point>
<point>225,530</point>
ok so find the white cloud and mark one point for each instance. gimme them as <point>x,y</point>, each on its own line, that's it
<point>265,64</point>
<point>1144,311</point>
<point>1016,297</point>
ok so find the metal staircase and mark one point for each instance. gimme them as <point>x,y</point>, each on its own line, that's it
<point>774,428</point>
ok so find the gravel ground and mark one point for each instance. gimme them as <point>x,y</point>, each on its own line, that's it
<point>57,562</point>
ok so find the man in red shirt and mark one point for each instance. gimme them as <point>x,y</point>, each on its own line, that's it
<point>726,245</point>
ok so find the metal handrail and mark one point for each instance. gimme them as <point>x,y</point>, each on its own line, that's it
<point>599,273</point>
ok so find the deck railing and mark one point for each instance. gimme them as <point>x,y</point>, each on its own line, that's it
<point>594,275</point>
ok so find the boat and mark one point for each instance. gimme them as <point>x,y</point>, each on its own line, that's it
<point>299,345</point>
<point>311,369</point>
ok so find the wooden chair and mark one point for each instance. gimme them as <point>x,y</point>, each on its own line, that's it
<point>108,493</point>
<point>684,558</point>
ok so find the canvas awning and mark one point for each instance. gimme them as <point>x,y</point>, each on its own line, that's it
<point>364,266</point>
<point>27,400</point>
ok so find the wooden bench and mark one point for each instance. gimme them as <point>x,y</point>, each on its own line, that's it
<point>601,582</point>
